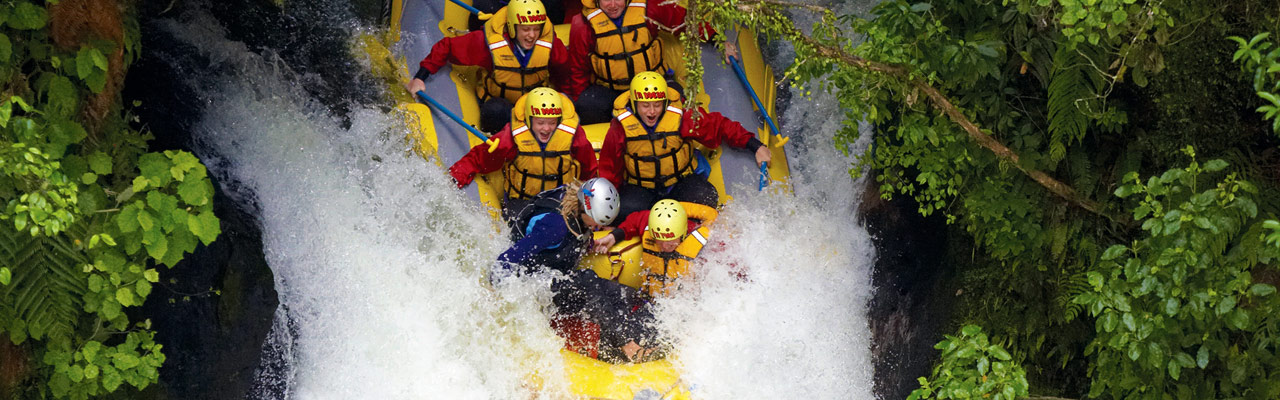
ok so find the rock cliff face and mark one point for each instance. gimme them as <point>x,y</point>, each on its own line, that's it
<point>911,302</point>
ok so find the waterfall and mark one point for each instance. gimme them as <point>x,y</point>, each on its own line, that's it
<point>379,261</point>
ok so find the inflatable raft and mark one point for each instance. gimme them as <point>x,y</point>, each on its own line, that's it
<point>439,138</point>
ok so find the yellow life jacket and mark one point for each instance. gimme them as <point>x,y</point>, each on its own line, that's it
<point>622,52</point>
<point>509,79</point>
<point>661,270</point>
<point>658,159</point>
<point>536,169</point>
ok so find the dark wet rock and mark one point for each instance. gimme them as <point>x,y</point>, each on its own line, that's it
<point>213,341</point>
<point>910,304</point>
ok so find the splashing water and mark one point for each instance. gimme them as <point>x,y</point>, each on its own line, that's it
<point>378,260</point>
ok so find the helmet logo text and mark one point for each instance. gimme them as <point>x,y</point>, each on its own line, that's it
<point>531,19</point>
<point>651,96</point>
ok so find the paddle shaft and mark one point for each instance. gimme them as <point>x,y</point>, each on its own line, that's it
<point>764,175</point>
<point>742,76</point>
<point>455,117</point>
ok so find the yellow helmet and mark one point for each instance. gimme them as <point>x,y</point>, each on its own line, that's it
<point>542,102</point>
<point>648,86</point>
<point>667,220</point>
<point>525,12</point>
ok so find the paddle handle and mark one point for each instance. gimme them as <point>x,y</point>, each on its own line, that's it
<point>493,144</point>
<point>742,76</point>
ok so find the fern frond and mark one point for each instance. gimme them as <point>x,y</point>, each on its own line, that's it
<point>1069,287</point>
<point>1072,90</point>
<point>48,281</point>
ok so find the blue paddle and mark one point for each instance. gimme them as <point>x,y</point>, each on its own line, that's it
<point>764,175</point>
<point>742,76</point>
<point>493,143</point>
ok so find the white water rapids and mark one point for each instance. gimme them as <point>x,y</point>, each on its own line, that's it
<point>378,259</point>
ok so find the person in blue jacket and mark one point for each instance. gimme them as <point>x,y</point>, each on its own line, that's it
<point>552,233</point>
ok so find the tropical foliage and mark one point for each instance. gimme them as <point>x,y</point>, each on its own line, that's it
<point>89,213</point>
<point>1261,59</point>
<point>973,368</point>
<point>1018,120</point>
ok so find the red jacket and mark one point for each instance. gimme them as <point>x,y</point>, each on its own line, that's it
<point>480,161</point>
<point>472,49</point>
<point>712,130</point>
<point>582,41</point>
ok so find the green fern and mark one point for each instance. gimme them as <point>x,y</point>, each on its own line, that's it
<point>44,298</point>
<point>1072,93</point>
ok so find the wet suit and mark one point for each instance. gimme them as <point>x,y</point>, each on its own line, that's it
<point>544,239</point>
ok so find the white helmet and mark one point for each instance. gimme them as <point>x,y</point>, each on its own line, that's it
<point>599,200</point>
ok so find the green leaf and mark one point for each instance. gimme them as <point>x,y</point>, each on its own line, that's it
<point>1261,289</point>
<point>921,7</point>
<point>88,178</point>
<point>63,100</point>
<point>90,350</point>
<point>143,288</point>
<point>99,60</point>
<point>84,63</point>
<point>1184,360</point>
<point>124,296</point>
<point>1175,370</point>
<point>1239,319</point>
<point>145,220</point>
<point>1126,190</point>
<point>127,220</point>
<point>91,371</point>
<point>27,16</point>
<point>1215,165</point>
<point>110,309</point>
<point>97,81</point>
<point>1202,357</point>
<point>158,247</point>
<point>95,283</point>
<point>5,276</point>
<point>1114,252</point>
<point>1109,322</point>
<point>6,49</point>
<point>1171,306</point>
<point>100,163</point>
<point>111,378</point>
<point>999,353</point>
<point>76,373</point>
<point>151,275</point>
<point>155,167</point>
<point>1226,305</point>
<point>207,227</point>
<point>194,192</point>
<point>125,361</point>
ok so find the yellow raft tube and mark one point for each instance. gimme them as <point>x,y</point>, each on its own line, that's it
<point>439,138</point>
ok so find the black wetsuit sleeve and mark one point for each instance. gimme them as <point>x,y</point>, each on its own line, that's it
<point>753,144</point>
<point>422,74</point>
